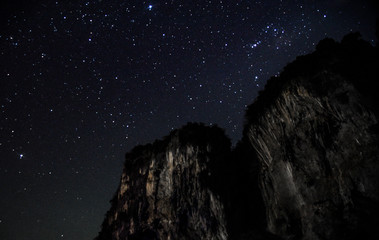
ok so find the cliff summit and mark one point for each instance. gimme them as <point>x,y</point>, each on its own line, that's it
<point>307,166</point>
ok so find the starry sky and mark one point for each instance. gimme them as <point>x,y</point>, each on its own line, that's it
<point>82,82</point>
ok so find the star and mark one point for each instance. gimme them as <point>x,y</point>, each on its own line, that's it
<point>150,7</point>
<point>21,156</point>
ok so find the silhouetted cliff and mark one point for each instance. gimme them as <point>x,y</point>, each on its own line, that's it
<point>314,130</point>
<point>307,166</point>
<point>171,189</point>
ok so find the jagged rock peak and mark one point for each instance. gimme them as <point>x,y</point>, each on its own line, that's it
<point>169,189</point>
<point>353,60</point>
<point>314,130</point>
<point>307,166</point>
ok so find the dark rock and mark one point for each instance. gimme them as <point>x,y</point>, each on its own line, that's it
<point>170,189</point>
<point>311,130</point>
<point>307,166</point>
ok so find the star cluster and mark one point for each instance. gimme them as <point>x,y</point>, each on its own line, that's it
<point>82,82</point>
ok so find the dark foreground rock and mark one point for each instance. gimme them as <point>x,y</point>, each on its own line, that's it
<point>307,166</point>
<point>170,189</point>
<point>314,132</point>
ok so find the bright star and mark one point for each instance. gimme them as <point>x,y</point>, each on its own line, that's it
<point>150,7</point>
<point>21,156</point>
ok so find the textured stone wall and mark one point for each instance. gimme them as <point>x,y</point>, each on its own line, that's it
<point>307,166</point>
<point>316,140</point>
<point>166,190</point>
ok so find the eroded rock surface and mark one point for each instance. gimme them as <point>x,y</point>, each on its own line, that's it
<point>307,166</point>
<point>314,133</point>
<point>168,190</point>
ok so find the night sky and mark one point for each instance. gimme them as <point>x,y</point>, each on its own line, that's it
<point>82,82</point>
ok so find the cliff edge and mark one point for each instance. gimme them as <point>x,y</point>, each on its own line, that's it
<point>307,166</point>
<point>314,130</point>
<point>170,189</point>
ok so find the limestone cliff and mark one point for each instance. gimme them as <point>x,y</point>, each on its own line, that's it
<point>169,190</point>
<point>314,132</point>
<point>307,166</point>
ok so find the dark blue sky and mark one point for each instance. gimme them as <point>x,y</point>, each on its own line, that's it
<point>82,82</point>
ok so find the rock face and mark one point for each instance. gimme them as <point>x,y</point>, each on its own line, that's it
<point>314,131</point>
<point>169,189</point>
<point>307,166</point>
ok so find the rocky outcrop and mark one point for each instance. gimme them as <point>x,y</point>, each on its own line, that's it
<point>171,189</point>
<point>307,166</point>
<point>314,132</point>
